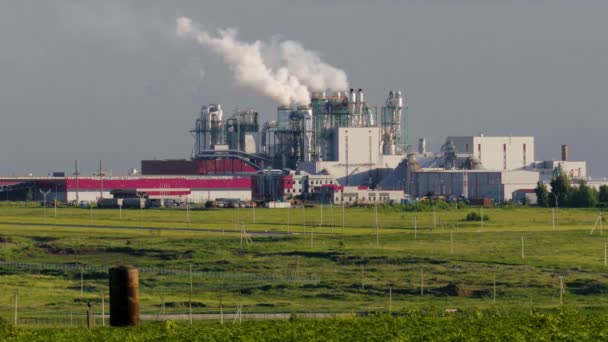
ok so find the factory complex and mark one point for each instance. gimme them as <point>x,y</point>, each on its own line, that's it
<point>337,150</point>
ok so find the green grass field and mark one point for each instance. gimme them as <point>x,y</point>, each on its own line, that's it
<point>301,261</point>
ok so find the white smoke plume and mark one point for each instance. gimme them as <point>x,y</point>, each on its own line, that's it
<point>288,80</point>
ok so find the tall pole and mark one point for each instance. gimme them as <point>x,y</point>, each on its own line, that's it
<point>190,297</point>
<point>100,182</point>
<point>304,217</point>
<point>321,224</point>
<point>556,210</point>
<point>188,211</point>
<point>312,236</point>
<point>377,227</point>
<point>482,218</point>
<point>44,194</point>
<point>452,242</point>
<point>76,175</point>
<point>288,217</point>
<point>362,283</point>
<point>421,281</point>
<point>390,299</point>
<point>298,269</point>
<point>342,215</point>
<point>522,247</point>
<point>55,200</point>
<point>561,290</point>
<point>553,218</point>
<point>494,292</point>
<point>103,311</point>
<point>16,306</point>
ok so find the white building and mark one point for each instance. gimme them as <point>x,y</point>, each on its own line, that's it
<point>497,185</point>
<point>497,153</point>
<point>356,156</point>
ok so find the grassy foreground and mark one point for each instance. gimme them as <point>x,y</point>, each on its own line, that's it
<point>490,326</point>
<point>313,262</point>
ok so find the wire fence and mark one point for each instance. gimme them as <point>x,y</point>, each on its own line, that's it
<point>179,294</point>
<point>517,259</point>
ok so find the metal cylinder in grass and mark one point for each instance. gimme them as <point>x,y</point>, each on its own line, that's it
<point>124,296</point>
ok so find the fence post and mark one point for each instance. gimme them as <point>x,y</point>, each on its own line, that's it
<point>90,318</point>
<point>16,306</point>
<point>124,296</point>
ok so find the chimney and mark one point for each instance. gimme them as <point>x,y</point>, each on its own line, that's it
<point>564,152</point>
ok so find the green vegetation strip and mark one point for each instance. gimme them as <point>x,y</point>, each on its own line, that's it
<point>478,326</point>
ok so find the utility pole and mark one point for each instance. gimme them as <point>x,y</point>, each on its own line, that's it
<point>482,218</point>
<point>556,210</point>
<point>452,242</point>
<point>190,297</point>
<point>16,306</point>
<point>76,175</point>
<point>55,201</point>
<point>377,227</point>
<point>44,194</point>
<point>100,181</point>
<point>561,290</point>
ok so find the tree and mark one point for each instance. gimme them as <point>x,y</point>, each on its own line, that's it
<point>603,194</point>
<point>560,187</point>
<point>583,196</point>
<point>542,195</point>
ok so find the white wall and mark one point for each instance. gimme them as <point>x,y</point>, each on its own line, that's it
<point>363,156</point>
<point>201,196</point>
<point>363,145</point>
<point>196,196</point>
<point>491,151</point>
<point>497,185</point>
<point>88,196</point>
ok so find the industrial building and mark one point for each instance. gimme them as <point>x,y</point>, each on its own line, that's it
<point>337,149</point>
<point>90,189</point>
<point>500,168</point>
<point>277,185</point>
<point>338,134</point>
<point>500,186</point>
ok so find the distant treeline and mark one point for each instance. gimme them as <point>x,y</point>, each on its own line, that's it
<point>563,194</point>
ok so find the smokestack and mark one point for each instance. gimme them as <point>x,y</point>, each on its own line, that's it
<point>564,152</point>
<point>422,146</point>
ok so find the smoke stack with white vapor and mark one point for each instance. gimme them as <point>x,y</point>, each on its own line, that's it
<point>289,80</point>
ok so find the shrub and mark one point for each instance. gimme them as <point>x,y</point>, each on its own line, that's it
<point>473,216</point>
